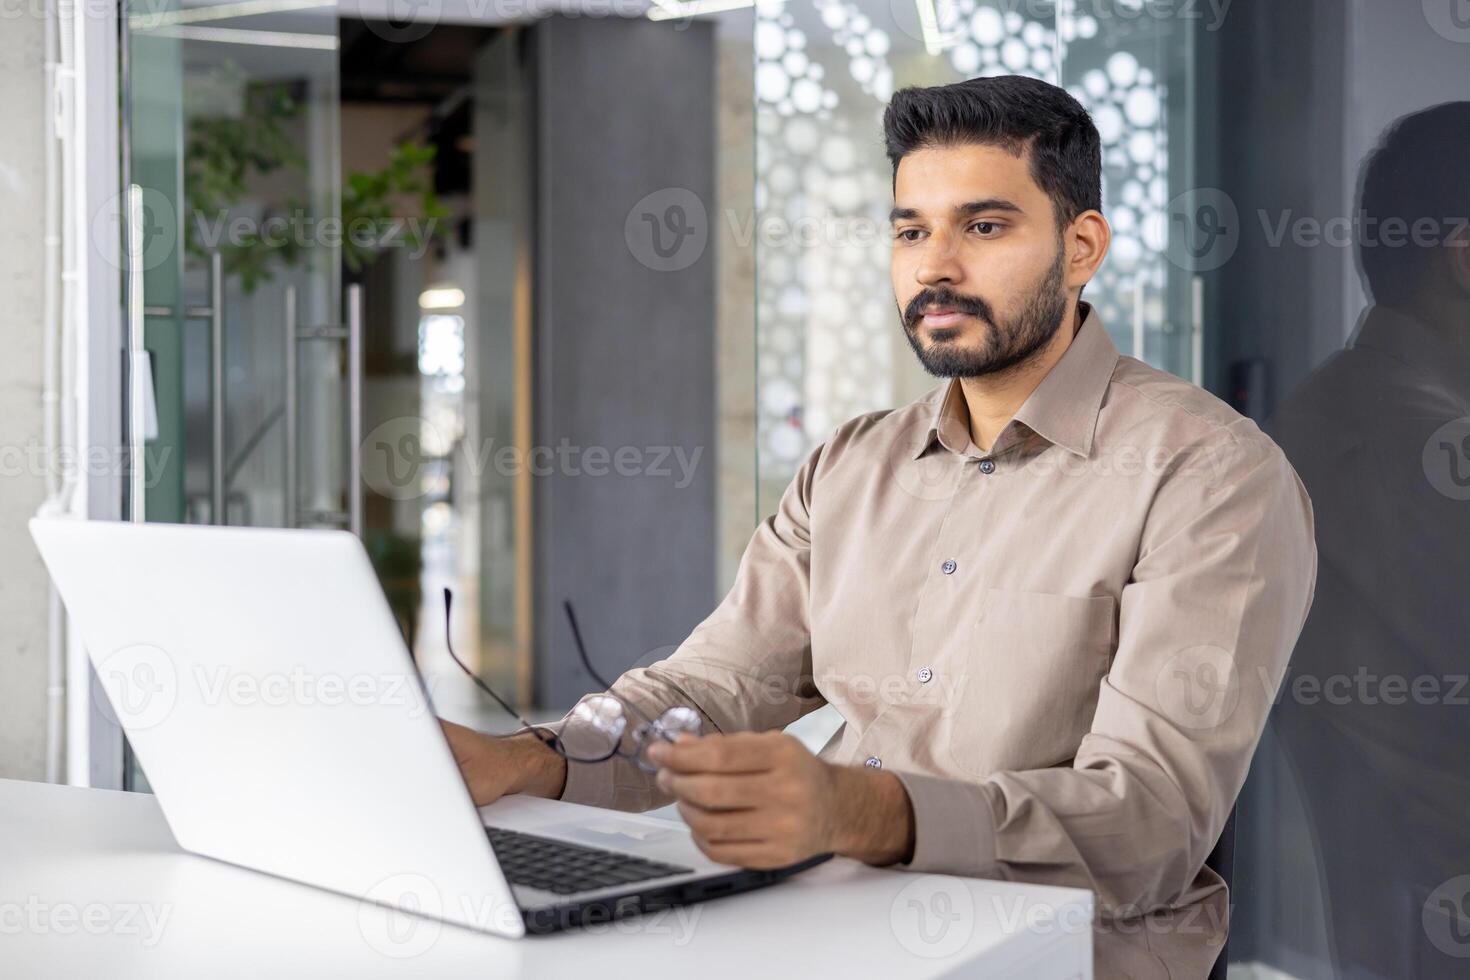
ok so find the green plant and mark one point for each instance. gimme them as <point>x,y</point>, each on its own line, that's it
<point>228,154</point>
<point>367,198</point>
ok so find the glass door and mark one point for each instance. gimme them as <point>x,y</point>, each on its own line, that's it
<point>243,354</point>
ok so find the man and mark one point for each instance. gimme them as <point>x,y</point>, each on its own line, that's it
<point>1052,599</point>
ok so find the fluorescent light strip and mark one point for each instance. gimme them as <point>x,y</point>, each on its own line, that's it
<point>270,39</point>
<point>223,11</point>
<point>696,7</point>
<point>441,298</point>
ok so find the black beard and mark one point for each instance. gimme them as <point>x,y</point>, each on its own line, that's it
<point>1001,347</point>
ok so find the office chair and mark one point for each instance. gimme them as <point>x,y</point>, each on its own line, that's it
<point>1222,862</point>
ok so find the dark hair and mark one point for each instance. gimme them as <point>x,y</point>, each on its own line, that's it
<point>1013,112</point>
<point>1416,171</point>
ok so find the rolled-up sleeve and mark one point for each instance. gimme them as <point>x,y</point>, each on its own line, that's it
<point>1219,591</point>
<point>747,667</point>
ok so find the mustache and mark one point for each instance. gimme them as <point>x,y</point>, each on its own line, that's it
<point>971,305</point>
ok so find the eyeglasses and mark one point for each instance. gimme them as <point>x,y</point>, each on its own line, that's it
<point>594,730</point>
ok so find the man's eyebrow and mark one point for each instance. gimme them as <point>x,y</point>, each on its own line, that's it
<point>961,210</point>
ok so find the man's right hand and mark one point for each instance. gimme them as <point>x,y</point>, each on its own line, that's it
<point>494,766</point>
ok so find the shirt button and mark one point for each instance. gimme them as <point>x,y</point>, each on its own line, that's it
<point>987,466</point>
<point>949,566</point>
<point>874,762</point>
<point>925,675</point>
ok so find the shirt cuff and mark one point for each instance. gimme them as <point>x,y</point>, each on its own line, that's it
<point>954,827</point>
<point>589,783</point>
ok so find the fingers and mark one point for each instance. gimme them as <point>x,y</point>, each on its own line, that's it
<point>742,839</point>
<point>749,800</point>
<point>746,752</point>
<point>736,826</point>
<point>752,855</point>
<point>722,826</point>
<point>724,791</point>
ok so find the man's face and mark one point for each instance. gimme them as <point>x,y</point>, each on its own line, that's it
<point>977,261</point>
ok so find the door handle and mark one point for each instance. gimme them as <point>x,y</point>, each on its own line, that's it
<point>354,408</point>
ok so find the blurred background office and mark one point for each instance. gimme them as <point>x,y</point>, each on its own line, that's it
<point>548,301</point>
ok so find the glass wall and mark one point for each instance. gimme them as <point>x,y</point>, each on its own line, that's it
<point>231,124</point>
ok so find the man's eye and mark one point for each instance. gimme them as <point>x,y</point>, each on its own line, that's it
<point>986,227</point>
<point>907,232</point>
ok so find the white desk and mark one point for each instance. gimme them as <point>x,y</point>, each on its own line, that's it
<point>93,885</point>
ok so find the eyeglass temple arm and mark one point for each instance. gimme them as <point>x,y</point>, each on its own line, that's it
<point>581,649</point>
<point>566,604</point>
<point>449,646</point>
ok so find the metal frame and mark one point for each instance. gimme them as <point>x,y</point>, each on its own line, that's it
<point>94,740</point>
<point>354,409</point>
<point>293,487</point>
<point>350,335</point>
<point>215,314</point>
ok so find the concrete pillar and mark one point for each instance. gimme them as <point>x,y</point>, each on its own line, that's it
<point>23,593</point>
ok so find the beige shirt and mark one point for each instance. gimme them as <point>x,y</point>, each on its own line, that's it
<point>1065,647</point>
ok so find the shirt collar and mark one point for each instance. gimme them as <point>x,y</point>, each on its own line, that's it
<point>1063,408</point>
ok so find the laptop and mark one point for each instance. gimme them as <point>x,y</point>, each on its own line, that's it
<point>273,705</point>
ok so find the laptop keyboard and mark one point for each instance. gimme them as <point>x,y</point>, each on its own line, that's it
<point>562,868</point>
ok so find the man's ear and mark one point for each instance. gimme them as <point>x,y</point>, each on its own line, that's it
<point>1086,239</point>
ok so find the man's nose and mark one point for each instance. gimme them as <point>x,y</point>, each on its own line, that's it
<point>939,262</point>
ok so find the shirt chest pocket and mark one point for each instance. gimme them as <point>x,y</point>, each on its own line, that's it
<point>1031,679</point>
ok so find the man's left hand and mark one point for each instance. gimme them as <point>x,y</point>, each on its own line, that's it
<point>764,801</point>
